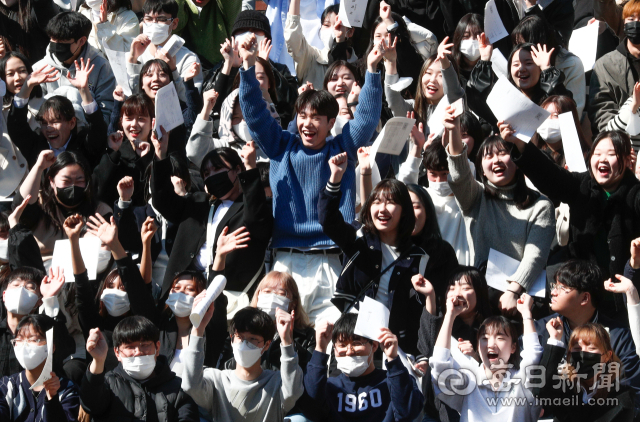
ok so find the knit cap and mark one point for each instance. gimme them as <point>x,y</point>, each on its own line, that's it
<point>252,19</point>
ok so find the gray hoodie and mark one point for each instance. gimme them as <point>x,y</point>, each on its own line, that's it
<point>101,80</point>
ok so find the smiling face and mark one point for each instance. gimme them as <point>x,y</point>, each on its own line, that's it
<point>154,79</point>
<point>313,128</point>
<point>465,294</point>
<point>385,214</point>
<point>524,71</point>
<point>420,212</point>
<point>497,166</point>
<point>16,74</point>
<point>496,347</point>
<point>432,83</point>
<point>605,166</point>
<point>136,127</point>
<point>341,81</point>
<point>56,129</point>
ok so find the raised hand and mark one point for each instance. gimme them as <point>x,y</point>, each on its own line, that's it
<point>167,58</point>
<point>623,286</point>
<point>455,307</point>
<point>466,347</point>
<point>125,188</point>
<point>192,71</point>
<point>338,165</point>
<point>205,318</point>
<point>635,103</point>
<point>417,135</point>
<point>390,52</point>
<point>210,97</point>
<point>248,50</point>
<point>161,144</point>
<point>248,155</point>
<point>324,331</point>
<point>389,343</point>
<point>45,75</point>
<point>541,56</point>
<point>114,141</point>
<point>449,121</point>
<point>228,243</point>
<point>52,385</point>
<point>374,57</point>
<point>422,285</point>
<point>364,158</point>
<point>635,253</point>
<point>138,46</point>
<point>555,328</point>
<point>81,80</point>
<point>284,324</point>
<point>524,305</point>
<point>118,94</point>
<point>97,345</point>
<point>354,94</point>
<point>444,50</point>
<point>14,217</point>
<point>340,31</point>
<point>104,7</point>
<point>149,228</point>
<point>73,226</point>
<point>226,49</point>
<point>385,10</point>
<point>506,132</point>
<point>52,283</point>
<point>305,87</point>
<point>46,158</point>
<point>486,48</point>
<point>106,231</point>
<point>264,49</point>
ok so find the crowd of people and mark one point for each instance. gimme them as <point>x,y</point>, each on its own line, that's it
<point>115,230</point>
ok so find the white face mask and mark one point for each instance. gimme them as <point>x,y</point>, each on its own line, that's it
<point>353,366</point>
<point>4,250</point>
<point>242,130</point>
<point>339,125</point>
<point>30,356</point>
<point>19,300</point>
<point>246,354</point>
<point>157,32</point>
<point>9,3</point>
<point>116,301</point>
<point>139,367</point>
<point>549,130</point>
<point>240,37</point>
<point>470,49</point>
<point>328,38</point>
<point>94,4</point>
<point>103,260</point>
<point>180,303</point>
<point>269,302</point>
<point>440,188</point>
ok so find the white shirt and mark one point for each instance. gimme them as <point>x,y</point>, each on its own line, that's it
<point>205,256</point>
<point>389,254</point>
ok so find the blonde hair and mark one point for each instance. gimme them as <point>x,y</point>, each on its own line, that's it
<point>277,279</point>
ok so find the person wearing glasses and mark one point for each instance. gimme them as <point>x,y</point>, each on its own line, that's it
<point>576,297</point>
<point>160,19</point>
<point>54,400</point>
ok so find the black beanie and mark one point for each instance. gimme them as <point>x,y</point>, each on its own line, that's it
<point>252,19</point>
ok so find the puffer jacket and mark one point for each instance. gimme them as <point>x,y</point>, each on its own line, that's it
<point>115,396</point>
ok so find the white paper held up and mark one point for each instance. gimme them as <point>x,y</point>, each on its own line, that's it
<point>372,317</point>
<point>118,62</point>
<point>435,121</point>
<point>89,249</point>
<point>501,267</point>
<point>499,64</point>
<point>48,363</point>
<point>168,111</point>
<point>582,44</point>
<point>213,291</point>
<point>352,12</point>
<point>493,27</point>
<point>509,104</point>
<point>174,45</point>
<point>392,137</point>
<point>571,143</point>
<point>402,84</point>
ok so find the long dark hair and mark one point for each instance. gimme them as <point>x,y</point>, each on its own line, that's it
<point>25,19</point>
<point>538,93</point>
<point>471,22</point>
<point>479,284</point>
<point>431,230</point>
<point>470,125</point>
<point>138,105</point>
<point>523,196</point>
<point>337,65</point>
<point>398,193</point>
<point>8,96</point>
<point>111,276</point>
<point>54,214</point>
<point>154,62</point>
<point>535,30</point>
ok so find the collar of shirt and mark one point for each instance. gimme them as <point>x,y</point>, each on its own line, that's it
<point>57,151</point>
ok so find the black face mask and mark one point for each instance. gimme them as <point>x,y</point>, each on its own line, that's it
<point>61,51</point>
<point>219,184</point>
<point>632,31</point>
<point>70,196</point>
<point>584,362</point>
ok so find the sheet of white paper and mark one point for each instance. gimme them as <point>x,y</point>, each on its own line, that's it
<point>493,27</point>
<point>458,106</point>
<point>352,12</point>
<point>89,249</point>
<point>174,45</point>
<point>499,64</point>
<point>509,104</point>
<point>435,121</point>
<point>501,267</point>
<point>583,44</point>
<point>571,143</point>
<point>372,317</point>
<point>392,137</point>
<point>48,364</point>
<point>402,83</point>
<point>213,291</point>
<point>168,111</point>
<point>633,127</point>
<point>118,63</point>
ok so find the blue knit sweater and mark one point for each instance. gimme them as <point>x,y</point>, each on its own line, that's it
<point>299,174</point>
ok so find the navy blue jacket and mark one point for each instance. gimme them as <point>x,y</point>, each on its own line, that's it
<point>364,263</point>
<point>17,403</point>
<point>384,396</point>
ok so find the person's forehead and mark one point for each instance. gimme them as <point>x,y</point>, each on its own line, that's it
<point>156,14</point>
<point>67,41</point>
<point>29,331</point>
<point>247,334</point>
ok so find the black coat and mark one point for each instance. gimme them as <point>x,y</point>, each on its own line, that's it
<point>91,141</point>
<point>191,213</point>
<point>363,254</point>
<point>115,396</point>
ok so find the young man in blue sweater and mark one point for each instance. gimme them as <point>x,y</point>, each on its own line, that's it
<point>300,171</point>
<point>361,392</point>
